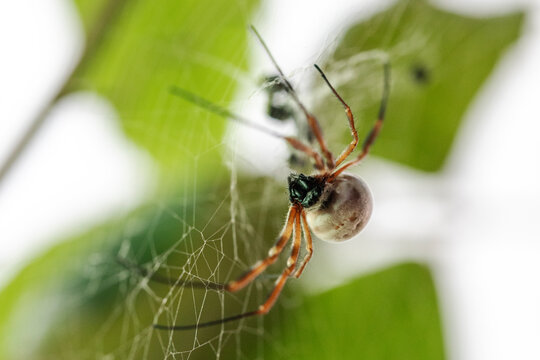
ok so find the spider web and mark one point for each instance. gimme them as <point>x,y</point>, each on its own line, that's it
<point>213,235</point>
<point>216,247</point>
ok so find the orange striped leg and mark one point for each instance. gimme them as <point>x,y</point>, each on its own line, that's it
<point>349,149</point>
<point>294,214</point>
<point>312,121</point>
<point>316,128</point>
<point>298,145</point>
<point>273,254</point>
<point>374,132</point>
<point>365,149</point>
<point>229,115</point>
<point>309,246</point>
<point>291,264</point>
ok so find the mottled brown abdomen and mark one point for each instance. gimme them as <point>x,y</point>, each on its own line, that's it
<point>343,209</point>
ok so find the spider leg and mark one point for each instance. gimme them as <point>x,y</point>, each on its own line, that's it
<point>309,246</point>
<point>312,120</point>
<point>280,282</point>
<point>298,145</point>
<point>291,264</point>
<point>349,149</point>
<point>273,254</point>
<point>374,132</point>
<point>226,114</point>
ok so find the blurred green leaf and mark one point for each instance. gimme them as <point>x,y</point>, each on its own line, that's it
<point>137,50</point>
<point>439,60</point>
<point>392,314</point>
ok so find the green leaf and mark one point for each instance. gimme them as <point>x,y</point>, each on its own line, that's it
<point>439,61</point>
<point>392,314</point>
<point>137,50</point>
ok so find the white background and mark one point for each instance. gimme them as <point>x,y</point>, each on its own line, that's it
<point>476,223</point>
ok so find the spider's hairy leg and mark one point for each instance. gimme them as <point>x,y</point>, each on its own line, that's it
<point>349,149</point>
<point>271,300</point>
<point>374,132</point>
<point>229,115</point>
<point>309,246</point>
<point>312,120</point>
<point>316,128</point>
<point>273,254</point>
<point>298,145</point>
<point>291,265</point>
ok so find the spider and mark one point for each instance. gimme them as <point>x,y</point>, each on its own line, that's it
<point>332,204</point>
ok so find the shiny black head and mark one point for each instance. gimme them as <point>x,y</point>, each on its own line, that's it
<point>305,190</point>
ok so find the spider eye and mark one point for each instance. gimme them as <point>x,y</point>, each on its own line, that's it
<point>344,209</point>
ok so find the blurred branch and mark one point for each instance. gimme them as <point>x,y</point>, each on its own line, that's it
<point>106,19</point>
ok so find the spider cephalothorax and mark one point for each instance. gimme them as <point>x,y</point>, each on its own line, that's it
<point>305,190</point>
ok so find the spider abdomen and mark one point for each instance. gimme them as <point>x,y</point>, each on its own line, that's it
<point>343,210</point>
